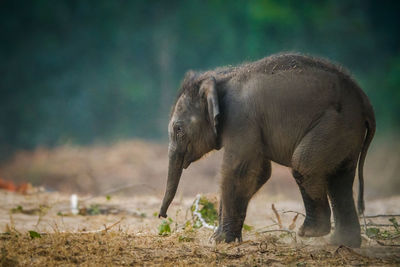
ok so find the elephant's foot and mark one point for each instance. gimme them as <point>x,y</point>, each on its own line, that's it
<point>348,239</point>
<point>221,235</point>
<point>314,230</point>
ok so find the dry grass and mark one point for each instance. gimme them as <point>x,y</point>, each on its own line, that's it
<point>130,236</point>
<point>119,248</point>
<point>127,230</point>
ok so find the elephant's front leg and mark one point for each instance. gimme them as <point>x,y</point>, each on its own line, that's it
<point>241,178</point>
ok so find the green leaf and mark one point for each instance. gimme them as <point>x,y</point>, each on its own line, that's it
<point>108,197</point>
<point>372,232</point>
<point>247,227</point>
<point>164,228</point>
<point>34,234</point>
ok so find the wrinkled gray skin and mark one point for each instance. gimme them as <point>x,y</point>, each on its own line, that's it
<point>298,111</point>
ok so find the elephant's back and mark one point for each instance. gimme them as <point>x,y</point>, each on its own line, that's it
<point>286,105</point>
<point>278,63</point>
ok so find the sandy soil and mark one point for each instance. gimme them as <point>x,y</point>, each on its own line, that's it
<point>132,175</point>
<point>128,234</point>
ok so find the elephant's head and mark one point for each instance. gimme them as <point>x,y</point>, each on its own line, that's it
<point>192,130</point>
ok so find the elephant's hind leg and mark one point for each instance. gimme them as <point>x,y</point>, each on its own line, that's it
<point>340,190</point>
<point>318,213</point>
<point>317,155</point>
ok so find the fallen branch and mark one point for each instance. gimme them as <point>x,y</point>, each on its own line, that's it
<point>278,230</point>
<point>387,245</point>
<point>382,215</point>
<point>379,224</point>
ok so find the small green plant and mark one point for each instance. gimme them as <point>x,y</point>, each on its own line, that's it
<point>94,209</point>
<point>197,224</point>
<point>247,227</point>
<point>188,228</point>
<point>108,197</point>
<point>372,232</point>
<point>207,211</point>
<point>34,234</point>
<point>18,209</point>
<point>165,227</point>
<point>376,233</point>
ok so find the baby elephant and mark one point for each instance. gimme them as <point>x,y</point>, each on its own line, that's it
<point>301,112</point>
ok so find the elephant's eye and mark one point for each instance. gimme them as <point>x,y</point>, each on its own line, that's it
<point>179,131</point>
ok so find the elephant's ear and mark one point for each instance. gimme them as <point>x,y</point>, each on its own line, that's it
<point>208,90</point>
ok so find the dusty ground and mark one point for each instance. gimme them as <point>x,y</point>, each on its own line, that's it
<point>121,187</point>
<point>128,235</point>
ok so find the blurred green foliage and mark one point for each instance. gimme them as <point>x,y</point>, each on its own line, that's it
<point>86,71</point>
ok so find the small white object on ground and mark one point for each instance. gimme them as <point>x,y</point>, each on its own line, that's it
<point>74,204</point>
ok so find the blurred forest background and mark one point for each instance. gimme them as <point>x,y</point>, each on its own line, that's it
<point>98,71</point>
<point>83,83</point>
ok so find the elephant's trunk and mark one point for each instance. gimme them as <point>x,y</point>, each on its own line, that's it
<point>174,175</point>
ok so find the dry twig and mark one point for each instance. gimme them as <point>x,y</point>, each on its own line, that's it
<point>277,216</point>
<point>106,228</point>
<point>278,230</point>
<point>292,211</point>
<point>293,224</point>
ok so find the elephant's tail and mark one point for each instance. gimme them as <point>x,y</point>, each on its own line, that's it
<point>370,125</point>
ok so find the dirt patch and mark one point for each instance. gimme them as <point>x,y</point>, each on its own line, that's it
<point>129,235</point>
<point>120,188</point>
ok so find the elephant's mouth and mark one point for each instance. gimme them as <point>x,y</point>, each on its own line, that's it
<point>188,159</point>
<point>186,162</point>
